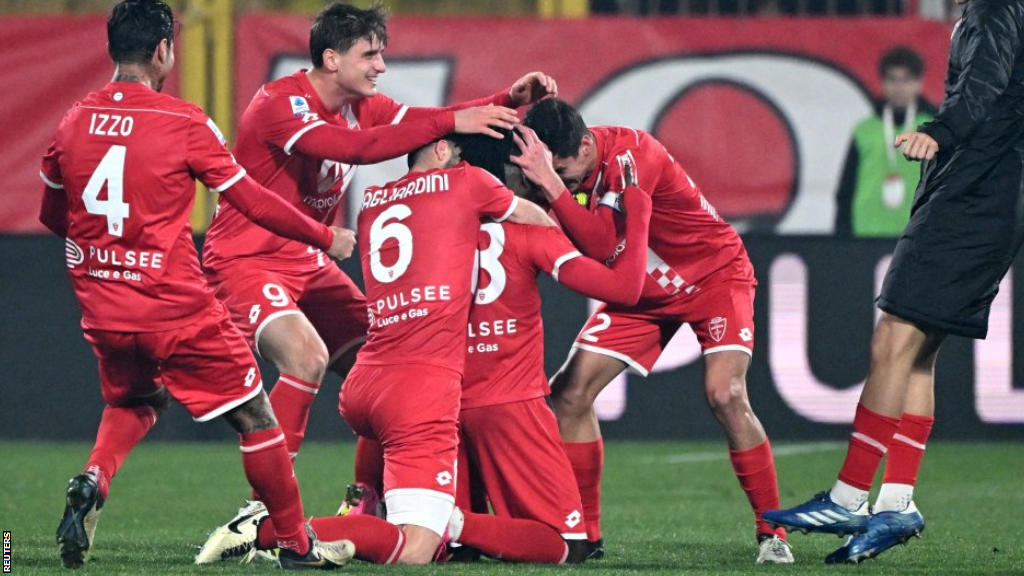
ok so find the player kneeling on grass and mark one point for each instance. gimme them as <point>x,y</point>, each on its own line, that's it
<point>412,408</point>
<point>510,451</point>
<point>154,324</point>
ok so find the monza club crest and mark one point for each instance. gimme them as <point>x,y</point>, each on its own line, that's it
<point>717,328</point>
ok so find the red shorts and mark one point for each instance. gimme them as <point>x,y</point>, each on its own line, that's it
<point>206,365</point>
<point>515,453</point>
<point>721,315</point>
<point>327,296</point>
<point>413,411</point>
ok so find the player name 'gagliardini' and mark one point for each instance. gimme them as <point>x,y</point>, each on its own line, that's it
<point>428,183</point>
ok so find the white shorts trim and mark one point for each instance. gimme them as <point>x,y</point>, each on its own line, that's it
<point>266,321</point>
<point>511,209</point>
<point>230,405</point>
<point>429,509</point>
<point>345,348</point>
<point>729,348</point>
<point>631,365</point>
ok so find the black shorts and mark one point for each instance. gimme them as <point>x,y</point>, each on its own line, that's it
<point>964,232</point>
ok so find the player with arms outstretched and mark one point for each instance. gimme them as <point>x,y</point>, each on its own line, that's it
<point>698,273</point>
<point>120,183</point>
<point>302,136</point>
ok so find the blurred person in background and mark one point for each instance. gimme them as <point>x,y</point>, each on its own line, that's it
<point>877,186</point>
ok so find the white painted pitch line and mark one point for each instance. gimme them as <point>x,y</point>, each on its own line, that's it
<point>783,450</point>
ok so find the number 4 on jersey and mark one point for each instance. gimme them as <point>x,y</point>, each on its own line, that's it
<point>110,172</point>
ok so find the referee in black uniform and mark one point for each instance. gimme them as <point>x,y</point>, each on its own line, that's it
<point>965,229</point>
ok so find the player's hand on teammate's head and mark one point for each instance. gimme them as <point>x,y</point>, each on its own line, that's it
<point>532,88</point>
<point>919,146</point>
<point>484,120</point>
<point>343,244</point>
<point>536,161</point>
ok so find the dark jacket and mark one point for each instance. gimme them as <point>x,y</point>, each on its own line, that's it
<point>980,124</point>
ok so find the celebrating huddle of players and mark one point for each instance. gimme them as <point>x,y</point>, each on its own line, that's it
<point>442,357</point>
<point>455,243</point>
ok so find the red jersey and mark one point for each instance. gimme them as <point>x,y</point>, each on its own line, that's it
<point>126,157</point>
<point>418,239</point>
<point>282,112</point>
<point>689,245</point>
<point>505,361</point>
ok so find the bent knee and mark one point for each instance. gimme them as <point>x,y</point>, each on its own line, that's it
<point>307,361</point>
<point>573,400</point>
<point>728,394</point>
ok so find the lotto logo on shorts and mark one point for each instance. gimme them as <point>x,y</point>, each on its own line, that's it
<point>444,478</point>
<point>746,335</point>
<point>717,328</point>
<point>573,519</point>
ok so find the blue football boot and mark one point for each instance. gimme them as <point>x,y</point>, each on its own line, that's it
<point>821,514</point>
<point>885,530</point>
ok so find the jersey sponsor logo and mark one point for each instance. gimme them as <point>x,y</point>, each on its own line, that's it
<point>444,478</point>
<point>573,519</point>
<point>299,106</point>
<point>746,335</point>
<point>216,131</point>
<point>73,253</point>
<point>716,328</point>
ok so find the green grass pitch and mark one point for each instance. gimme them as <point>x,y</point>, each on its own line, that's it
<point>669,508</point>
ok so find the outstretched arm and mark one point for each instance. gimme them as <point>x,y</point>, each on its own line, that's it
<point>529,89</point>
<point>271,212</point>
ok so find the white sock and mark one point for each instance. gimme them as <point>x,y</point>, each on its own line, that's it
<point>848,496</point>
<point>894,497</point>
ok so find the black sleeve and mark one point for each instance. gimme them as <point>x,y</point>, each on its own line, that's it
<point>988,45</point>
<point>844,196</point>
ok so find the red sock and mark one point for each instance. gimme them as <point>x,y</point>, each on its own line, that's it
<point>375,539</point>
<point>370,463</point>
<point>120,430</point>
<point>872,434</point>
<point>587,460</point>
<point>907,449</point>
<point>512,539</point>
<point>755,469</point>
<point>270,474</point>
<point>291,399</point>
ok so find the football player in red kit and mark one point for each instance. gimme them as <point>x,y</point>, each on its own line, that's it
<point>302,136</point>
<point>698,273</point>
<point>120,183</point>
<point>508,433</point>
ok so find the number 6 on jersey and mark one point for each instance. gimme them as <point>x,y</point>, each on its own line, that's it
<point>380,232</point>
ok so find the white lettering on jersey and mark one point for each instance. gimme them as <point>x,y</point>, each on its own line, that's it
<point>427,184</point>
<point>110,125</point>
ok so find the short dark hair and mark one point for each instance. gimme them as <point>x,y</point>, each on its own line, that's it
<point>901,57</point>
<point>340,26</point>
<point>486,152</point>
<point>135,29</point>
<point>558,125</point>
<point>478,150</point>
